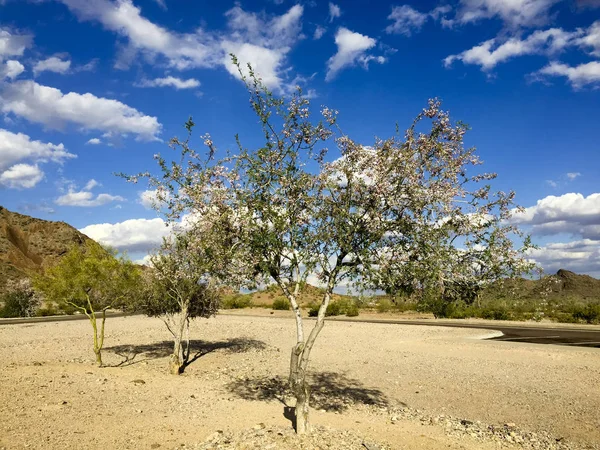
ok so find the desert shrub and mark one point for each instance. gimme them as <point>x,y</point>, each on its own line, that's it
<point>335,308</point>
<point>236,301</point>
<point>46,311</point>
<point>20,300</point>
<point>495,313</point>
<point>281,304</point>
<point>352,309</point>
<point>384,305</point>
<point>589,313</point>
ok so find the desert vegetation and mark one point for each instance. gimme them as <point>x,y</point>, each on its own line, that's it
<point>406,223</point>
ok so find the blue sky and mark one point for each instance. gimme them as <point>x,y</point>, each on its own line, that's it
<point>89,88</point>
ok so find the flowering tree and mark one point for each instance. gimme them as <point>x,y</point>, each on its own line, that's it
<point>402,212</point>
<point>91,280</point>
<point>178,290</point>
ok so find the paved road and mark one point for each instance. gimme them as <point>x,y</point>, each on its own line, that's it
<point>513,333</point>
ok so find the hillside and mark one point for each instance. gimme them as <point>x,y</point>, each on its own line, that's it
<point>28,244</point>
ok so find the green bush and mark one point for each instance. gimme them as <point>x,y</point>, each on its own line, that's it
<point>236,301</point>
<point>281,304</point>
<point>47,311</point>
<point>495,313</point>
<point>335,308</point>
<point>384,305</point>
<point>19,303</point>
<point>352,309</point>
<point>589,313</point>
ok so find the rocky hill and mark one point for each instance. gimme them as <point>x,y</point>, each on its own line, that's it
<point>29,245</point>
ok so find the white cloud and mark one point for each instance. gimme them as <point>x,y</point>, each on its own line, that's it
<point>406,20</point>
<point>134,235</point>
<point>94,141</point>
<point>16,147</point>
<point>580,76</point>
<point>319,32</point>
<point>573,175</point>
<point>493,52</point>
<point>91,185</point>
<point>11,69</point>
<point>351,50</point>
<point>49,106</point>
<point>86,199</point>
<point>256,39</point>
<point>21,176</point>
<point>514,13</point>
<point>571,214</point>
<point>591,39</point>
<point>189,50</point>
<point>170,81</point>
<point>334,11</point>
<point>149,198</point>
<point>13,44</point>
<point>262,42</point>
<point>52,64</point>
<point>581,256</point>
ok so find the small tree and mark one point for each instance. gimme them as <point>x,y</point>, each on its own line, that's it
<point>403,212</point>
<point>21,300</point>
<point>178,290</point>
<point>92,280</point>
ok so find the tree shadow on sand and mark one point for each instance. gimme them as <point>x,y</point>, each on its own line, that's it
<point>133,354</point>
<point>329,391</point>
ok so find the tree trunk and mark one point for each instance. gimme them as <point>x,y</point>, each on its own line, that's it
<point>178,358</point>
<point>298,369</point>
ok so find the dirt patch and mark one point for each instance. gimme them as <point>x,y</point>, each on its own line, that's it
<point>397,387</point>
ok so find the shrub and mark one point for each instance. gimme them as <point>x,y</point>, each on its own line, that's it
<point>21,300</point>
<point>352,309</point>
<point>281,304</point>
<point>49,310</point>
<point>384,305</point>
<point>589,313</point>
<point>335,308</point>
<point>237,301</point>
<point>495,313</point>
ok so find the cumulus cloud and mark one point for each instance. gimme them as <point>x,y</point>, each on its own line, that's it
<point>514,13</point>
<point>52,64</point>
<point>572,214</point>
<point>256,39</point>
<point>149,198</point>
<point>18,148</point>
<point>86,199</point>
<point>21,176</point>
<point>170,81</point>
<point>591,39</point>
<point>52,108</point>
<point>582,256</point>
<point>334,11</point>
<point>13,44</point>
<point>11,69</point>
<point>134,235</point>
<point>494,51</point>
<point>94,141</point>
<point>580,76</point>
<point>352,49</point>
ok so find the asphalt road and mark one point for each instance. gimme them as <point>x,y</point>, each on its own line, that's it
<point>513,333</point>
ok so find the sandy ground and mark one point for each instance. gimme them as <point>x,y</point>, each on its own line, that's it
<point>52,395</point>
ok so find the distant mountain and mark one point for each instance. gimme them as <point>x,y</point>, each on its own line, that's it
<point>29,245</point>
